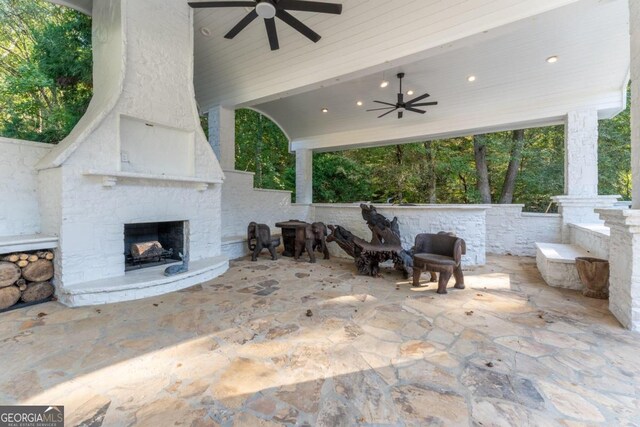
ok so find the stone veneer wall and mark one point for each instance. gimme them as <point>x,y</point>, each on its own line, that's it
<point>467,221</point>
<point>513,232</point>
<point>592,238</point>
<point>242,204</point>
<point>19,207</point>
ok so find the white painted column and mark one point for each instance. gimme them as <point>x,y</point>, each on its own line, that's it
<point>624,243</point>
<point>580,200</point>
<point>581,153</point>
<point>222,135</point>
<point>304,177</point>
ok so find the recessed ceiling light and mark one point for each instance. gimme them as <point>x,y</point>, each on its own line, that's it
<point>410,92</point>
<point>552,59</point>
<point>205,31</point>
<point>384,84</point>
<point>471,78</point>
<point>359,103</point>
<point>325,110</point>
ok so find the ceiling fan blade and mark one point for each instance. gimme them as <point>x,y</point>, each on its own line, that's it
<point>380,109</point>
<point>311,6</point>
<point>400,114</point>
<point>272,33</point>
<point>415,110</point>
<point>241,25</point>
<point>388,112</point>
<point>424,104</point>
<point>385,103</point>
<point>206,4</point>
<point>420,98</point>
<point>297,25</point>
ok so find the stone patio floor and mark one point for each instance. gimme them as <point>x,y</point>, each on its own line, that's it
<point>241,350</point>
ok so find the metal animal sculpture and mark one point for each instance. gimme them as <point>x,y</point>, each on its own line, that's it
<point>172,270</point>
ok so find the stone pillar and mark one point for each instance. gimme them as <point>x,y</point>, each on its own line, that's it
<point>581,172</point>
<point>304,177</point>
<point>624,262</point>
<point>624,243</point>
<point>222,135</point>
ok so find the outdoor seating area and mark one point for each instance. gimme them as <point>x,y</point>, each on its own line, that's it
<point>147,278</point>
<point>242,350</point>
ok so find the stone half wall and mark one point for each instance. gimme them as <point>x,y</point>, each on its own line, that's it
<point>242,204</point>
<point>467,221</point>
<point>19,207</point>
<point>593,238</point>
<point>513,232</point>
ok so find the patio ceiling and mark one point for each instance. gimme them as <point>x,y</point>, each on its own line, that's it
<point>515,87</point>
<point>438,44</point>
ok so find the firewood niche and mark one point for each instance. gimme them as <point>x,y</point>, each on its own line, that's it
<point>25,279</point>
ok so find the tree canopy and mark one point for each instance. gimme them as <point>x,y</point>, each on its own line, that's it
<point>45,69</point>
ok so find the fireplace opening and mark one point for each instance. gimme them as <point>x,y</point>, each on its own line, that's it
<point>153,243</point>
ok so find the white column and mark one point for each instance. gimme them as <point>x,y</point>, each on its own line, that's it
<point>304,177</point>
<point>222,135</point>
<point>581,153</point>
<point>624,243</point>
<point>580,200</point>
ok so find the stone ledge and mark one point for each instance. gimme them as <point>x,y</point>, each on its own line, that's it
<point>28,242</point>
<point>140,283</point>
<point>596,229</point>
<point>556,263</point>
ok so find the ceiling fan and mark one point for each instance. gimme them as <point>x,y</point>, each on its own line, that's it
<point>271,9</point>
<point>402,105</point>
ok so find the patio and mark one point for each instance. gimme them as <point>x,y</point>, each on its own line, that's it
<point>241,350</point>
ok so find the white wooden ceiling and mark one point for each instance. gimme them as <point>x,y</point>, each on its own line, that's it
<point>514,87</point>
<point>438,43</point>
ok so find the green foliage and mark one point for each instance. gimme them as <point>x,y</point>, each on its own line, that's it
<point>261,147</point>
<point>337,178</point>
<point>45,69</point>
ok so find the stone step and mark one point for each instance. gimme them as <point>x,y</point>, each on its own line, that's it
<point>557,265</point>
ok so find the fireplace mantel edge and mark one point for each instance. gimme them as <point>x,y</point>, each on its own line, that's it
<point>110,179</point>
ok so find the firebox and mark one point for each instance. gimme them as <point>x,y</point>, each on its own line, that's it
<point>154,243</point>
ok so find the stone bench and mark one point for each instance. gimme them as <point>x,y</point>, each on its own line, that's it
<point>557,264</point>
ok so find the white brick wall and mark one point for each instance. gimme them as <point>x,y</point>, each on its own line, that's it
<point>592,238</point>
<point>513,232</point>
<point>468,222</point>
<point>19,210</point>
<point>242,204</point>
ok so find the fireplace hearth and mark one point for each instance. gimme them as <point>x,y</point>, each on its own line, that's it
<point>153,243</point>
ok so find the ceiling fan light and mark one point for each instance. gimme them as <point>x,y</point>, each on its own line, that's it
<point>384,84</point>
<point>266,10</point>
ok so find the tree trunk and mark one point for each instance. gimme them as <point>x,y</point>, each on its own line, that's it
<point>431,176</point>
<point>482,169</point>
<point>259,143</point>
<point>514,165</point>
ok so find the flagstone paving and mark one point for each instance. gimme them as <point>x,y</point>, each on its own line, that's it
<point>291,343</point>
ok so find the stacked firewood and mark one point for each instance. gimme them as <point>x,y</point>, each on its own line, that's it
<point>25,277</point>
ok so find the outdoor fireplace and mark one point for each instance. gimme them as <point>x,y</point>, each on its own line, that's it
<point>153,243</point>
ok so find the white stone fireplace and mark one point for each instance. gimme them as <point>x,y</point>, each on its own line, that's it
<point>138,156</point>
